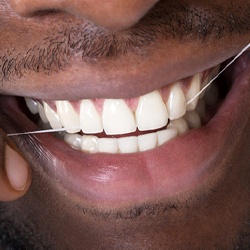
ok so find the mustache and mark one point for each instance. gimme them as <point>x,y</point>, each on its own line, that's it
<point>166,21</point>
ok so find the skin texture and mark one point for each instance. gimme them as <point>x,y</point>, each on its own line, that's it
<point>124,13</point>
<point>212,215</point>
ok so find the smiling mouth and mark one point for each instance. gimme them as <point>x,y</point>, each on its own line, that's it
<point>133,150</point>
<point>135,124</point>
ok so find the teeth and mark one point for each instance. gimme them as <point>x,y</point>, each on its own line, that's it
<point>52,116</point>
<point>180,125</point>
<point>90,120</point>
<point>68,117</point>
<point>42,113</point>
<point>147,141</point>
<point>128,144</point>
<point>107,145</point>
<point>165,135</point>
<point>176,104</point>
<point>193,119</point>
<point>32,105</point>
<point>117,117</point>
<point>194,89</point>
<point>151,112</point>
<point>89,143</point>
<point>74,140</point>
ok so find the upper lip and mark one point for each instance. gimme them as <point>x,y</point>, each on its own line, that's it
<point>175,53</point>
<point>131,75</point>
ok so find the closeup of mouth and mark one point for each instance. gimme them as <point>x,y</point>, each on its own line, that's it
<point>117,151</point>
<point>130,125</point>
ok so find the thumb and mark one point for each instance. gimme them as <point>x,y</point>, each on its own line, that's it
<point>15,173</point>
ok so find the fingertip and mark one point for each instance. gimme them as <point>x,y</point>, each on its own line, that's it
<point>17,169</point>
<point>15,173</point>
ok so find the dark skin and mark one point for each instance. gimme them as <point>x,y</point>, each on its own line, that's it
<point>46,213</point>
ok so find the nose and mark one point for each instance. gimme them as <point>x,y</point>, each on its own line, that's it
<point>111,14</point>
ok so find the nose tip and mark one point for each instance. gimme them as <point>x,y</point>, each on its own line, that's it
<point>112,14</point>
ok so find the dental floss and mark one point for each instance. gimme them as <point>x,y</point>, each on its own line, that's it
<point>209,83</point>
<point>52,130</point>
<point>4,138</point>
<point>191,100</point>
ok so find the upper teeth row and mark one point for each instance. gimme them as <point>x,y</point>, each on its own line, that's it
<point>151,113</point>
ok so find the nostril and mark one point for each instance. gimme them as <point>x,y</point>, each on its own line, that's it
<point>112,14</point>
<point>33,7</point>
<point>43,13</point>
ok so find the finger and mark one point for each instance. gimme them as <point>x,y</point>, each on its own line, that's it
<point>15,174</point>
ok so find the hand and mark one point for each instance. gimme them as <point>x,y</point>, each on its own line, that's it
<point>15,174</point>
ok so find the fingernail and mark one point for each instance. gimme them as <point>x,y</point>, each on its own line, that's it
<point>16,168</point>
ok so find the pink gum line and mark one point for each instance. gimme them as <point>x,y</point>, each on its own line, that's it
<point>133,102</point>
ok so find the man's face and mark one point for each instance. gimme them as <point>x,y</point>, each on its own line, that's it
<point>137,168</point>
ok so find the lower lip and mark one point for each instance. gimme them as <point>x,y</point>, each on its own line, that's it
<point>183,164</point>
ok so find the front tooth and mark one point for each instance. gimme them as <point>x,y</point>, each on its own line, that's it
<point>151,112</point>
<point>193,119</point>
<point>117,118</point>
<point>107,145</point>
<point>128,144</point>
<point>74,140</point>
<point>165,135</point>
<point>147,141</point>
<point>52,116</point>
<point>176,104</point>
<point>90,120</point>
<point>180,125</point>
<point>32,105</point>
<point>194,89</point>
<point>68,117</point>
<point>89,143</point>
<point>42,113</point>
